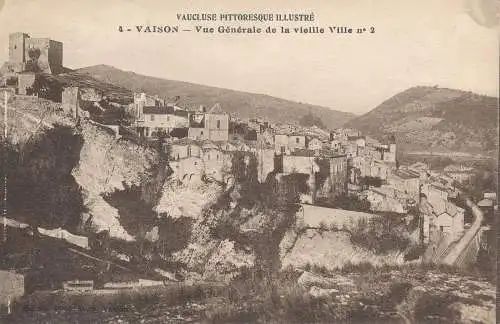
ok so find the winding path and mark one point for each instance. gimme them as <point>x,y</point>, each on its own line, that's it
<point>461,253</point>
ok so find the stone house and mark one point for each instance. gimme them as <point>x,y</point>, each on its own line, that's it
<point>406,181</point>
<point>287,143</point>
<point>153,116</point>
<point>441,219</point>
<point>459,173</point>
<point>212,125</point>
<point>380,201</point>
<point>157,119</point>
<point>488,205</point>
<point>327,171</point>
<point>435,193</point>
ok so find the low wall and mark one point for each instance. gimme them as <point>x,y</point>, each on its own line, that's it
<point>468,239</point>
<point>313,216</point>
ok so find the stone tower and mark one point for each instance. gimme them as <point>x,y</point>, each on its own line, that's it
<point>71,101</point>
<point>34,54</point>
<point>17,43</point>
<point>17,52</point>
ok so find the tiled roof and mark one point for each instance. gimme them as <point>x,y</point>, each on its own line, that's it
<point>445,207</point>
<point>406,174</point>
<point>485,203</point>
<point>216,109</point>
<point>187,141</point>
<point>168,110</point>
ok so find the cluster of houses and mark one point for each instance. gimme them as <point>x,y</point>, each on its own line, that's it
<point>201,142</point>
<point>343,162</point>
<point>374,174</point>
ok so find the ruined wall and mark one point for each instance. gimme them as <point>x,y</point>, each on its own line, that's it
<point>55,56</point>
<point>71,101</point>
<point>25,81</point>
<point>17,43</point>
<point>183,151</point>
<point>11,287</point>
<point>216,162</point>
<point>49,57</point>
<point>265,160</point>
<point>338,175</point>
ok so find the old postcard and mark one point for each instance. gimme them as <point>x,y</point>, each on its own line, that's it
<point>248,161</point>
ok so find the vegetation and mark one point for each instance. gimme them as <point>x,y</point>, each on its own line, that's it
<point>128,300</point>
<point>41,190</point>
<point>310,120</point>
<point>346,202</point>
<point>275,200</point>
<point>381,234</point>
<point>463,121</point>
<point>370,181</point>
<point>484,180</point>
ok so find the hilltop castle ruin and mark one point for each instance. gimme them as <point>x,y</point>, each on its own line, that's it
<point>27,54</point>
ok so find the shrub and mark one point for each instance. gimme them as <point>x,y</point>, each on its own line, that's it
<point>322,227</point>
<point>436,309</point>
<point>380,235</point>
<point>398,292</point>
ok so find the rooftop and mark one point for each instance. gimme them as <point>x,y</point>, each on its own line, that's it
<point>406,174</point>
<point>316,153</point>
<point>168,110</point>
<point>485,203</point>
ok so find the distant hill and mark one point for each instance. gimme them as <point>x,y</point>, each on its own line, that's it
<point>241,104</point>
<point>432,120</point>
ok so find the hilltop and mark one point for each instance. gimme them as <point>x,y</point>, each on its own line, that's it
<point>432,119</point>
<point>241,104</point>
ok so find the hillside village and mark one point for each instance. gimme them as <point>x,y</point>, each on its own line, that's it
<point>337,169</point>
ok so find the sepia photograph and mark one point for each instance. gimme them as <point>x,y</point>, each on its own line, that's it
<point>249,161</point>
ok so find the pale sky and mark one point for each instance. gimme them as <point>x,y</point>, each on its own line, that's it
<point>421,42</point>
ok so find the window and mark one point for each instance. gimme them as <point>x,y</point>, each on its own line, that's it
<point>201,133</point>
<point>152,117</point>
<point>218,124</point>
<point>168,118</point>
<point>297,140</point>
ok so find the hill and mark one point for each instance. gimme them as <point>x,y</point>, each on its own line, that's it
<point>242,104</point>
<point>435,120</point>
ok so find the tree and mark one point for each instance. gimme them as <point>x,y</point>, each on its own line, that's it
<point>41,190</point>
<point>310,120</point>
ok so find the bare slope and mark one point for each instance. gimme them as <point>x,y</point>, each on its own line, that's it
<point>435,120</point>
<point>242,104</point>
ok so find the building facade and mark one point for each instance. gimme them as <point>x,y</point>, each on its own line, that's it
<point>212,125</point>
